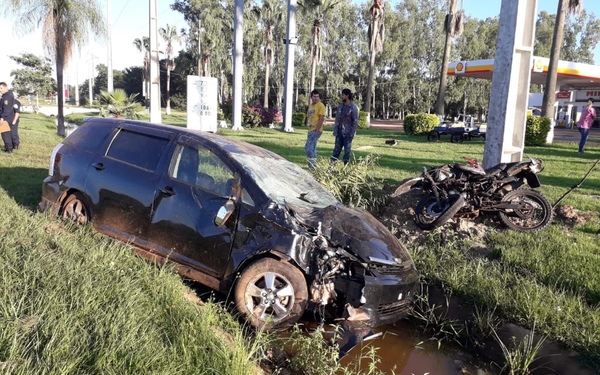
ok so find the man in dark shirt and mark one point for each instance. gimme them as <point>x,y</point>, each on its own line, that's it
<point>7,113</point>
<point>14,129</point>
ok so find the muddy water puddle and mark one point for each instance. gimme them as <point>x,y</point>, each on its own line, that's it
<point>403,352</point>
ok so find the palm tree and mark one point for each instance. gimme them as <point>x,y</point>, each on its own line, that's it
<point>65,25</point>
<point>143,45</point>
<point>169,35</point>
<point>564,7</point>
<point>376,39</point>
<point>453,26</point>
<point>320,9</point>
<point>270,16</point>
<point>118,104</point>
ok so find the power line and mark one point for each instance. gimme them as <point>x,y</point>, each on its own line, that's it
<point>122,9</point>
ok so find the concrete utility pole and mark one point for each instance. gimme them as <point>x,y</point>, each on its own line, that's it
<point>155,113</point>
<point>505,136</point>
<point>238,69</point>
<point>109,73</point>
<point>290,48</point>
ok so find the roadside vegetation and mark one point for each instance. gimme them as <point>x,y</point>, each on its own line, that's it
<point>79,302</point>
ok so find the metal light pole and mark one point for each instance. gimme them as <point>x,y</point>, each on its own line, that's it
<point>290,47</point>
<point>109,73</point>
<point>155,114</point>
<point>238,51</point>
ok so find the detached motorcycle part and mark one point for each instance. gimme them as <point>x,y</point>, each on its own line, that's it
<point>431,214</point>
<point>406,186</point>
<point>529,211</point>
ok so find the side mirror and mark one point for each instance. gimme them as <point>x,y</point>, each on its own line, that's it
<point>224,213</point>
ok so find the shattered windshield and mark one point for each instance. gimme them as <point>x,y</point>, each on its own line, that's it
<point>284,181</point>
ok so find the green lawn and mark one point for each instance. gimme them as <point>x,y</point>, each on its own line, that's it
<point>66,293</point>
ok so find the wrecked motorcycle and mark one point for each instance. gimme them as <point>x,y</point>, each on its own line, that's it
<point>467,189</point>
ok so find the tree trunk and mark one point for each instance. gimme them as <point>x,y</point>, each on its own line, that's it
<point>266,100</point>
<point>313,71</point>
<point>168,111</point>
<point>439,104</point>
<point>550,89</point>
<point>367,105</point>
<point>60,94</point>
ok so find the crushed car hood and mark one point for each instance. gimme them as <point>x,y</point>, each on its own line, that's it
<point>354,230</point>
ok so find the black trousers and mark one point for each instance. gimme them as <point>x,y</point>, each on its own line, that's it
<point>11,138</point>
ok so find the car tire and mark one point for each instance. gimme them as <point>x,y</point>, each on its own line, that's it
<point>433,136</point>
<point>75,210</point>
<point>271,294</point>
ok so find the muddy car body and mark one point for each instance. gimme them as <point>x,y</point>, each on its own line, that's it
<point>233,216</point>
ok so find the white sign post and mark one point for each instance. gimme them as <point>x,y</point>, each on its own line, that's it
<point>202,105</point>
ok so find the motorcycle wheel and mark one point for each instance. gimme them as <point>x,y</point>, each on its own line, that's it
<point>433,136</point>
<point>431,214</point>
<point>534,212</point>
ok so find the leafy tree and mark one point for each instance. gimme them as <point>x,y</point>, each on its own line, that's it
<point>35,76</point>
<point>270,15</point>
<point>143,45</point>
<point>133,81</point>
<point>320,10</point>
<point>170,36</point>
<point>564,6</point>
<point>65,25</point>
<point>453,27</point>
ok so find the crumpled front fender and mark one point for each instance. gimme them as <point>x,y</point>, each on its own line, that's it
<point>405,187</point>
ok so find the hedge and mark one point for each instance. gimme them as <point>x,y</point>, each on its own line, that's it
<point>362,120</point>
<point>421,123</point>
<point>536,130</point>
<point>298,119</point>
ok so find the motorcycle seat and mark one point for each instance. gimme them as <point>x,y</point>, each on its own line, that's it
<point>502,167</point>
<point>474,169</point>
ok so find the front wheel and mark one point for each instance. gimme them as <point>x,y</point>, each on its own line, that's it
<point>431,214</point>
<point>530,211</point>
<point>271,294</point>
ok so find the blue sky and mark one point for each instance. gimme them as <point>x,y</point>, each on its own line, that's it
<point>130,21</point>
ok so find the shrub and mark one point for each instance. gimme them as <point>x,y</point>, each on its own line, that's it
<point>250,117</point>
<point>269,115</point>
<point>298,119</point>
<point>353,184</point>
<point>227,109</point>
<point>179,102</point>
<point>362,120</point>
<point>536,130</point>
<point>421,123</point>
<point>77,118</point>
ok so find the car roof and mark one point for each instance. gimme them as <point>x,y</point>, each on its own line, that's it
<point>226,144</point>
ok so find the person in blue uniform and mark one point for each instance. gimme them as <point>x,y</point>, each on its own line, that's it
<point>7,113</point>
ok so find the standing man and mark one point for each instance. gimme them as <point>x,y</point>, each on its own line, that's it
<point>7,113</point>
<point>346,123</point>
<point>314,119</point>
<point>585,122</point>
<point>14,130</point>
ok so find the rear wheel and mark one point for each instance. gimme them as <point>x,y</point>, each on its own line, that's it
<point>431,214</point>
<point>531,212</point>
<point>433,136</point>
<point>271,294</point>
<point>75,210</point>
<point>456,138</point>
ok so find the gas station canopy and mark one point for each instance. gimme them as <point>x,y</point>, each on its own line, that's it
<point>571,76</point>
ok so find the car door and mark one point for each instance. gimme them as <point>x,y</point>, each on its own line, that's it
<point>121,183</point>
<point>197,184</point>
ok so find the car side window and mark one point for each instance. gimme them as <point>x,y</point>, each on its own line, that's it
<point>138,149</point>
<point>200,167</point>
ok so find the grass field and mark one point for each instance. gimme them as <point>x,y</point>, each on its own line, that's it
<point>79,303</point>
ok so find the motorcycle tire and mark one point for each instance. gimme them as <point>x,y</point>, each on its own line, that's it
<point>431,214</point>
<point>535,215</point>
<point>433,136</point>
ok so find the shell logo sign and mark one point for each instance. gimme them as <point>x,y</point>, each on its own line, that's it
<point>460,68</point>
<point>538,65</point>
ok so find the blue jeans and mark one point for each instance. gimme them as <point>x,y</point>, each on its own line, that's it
<point>346,143</point>
<point>311,148</point>
<point>584,135</point>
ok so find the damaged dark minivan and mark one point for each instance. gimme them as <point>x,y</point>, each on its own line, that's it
<point>233,216</point>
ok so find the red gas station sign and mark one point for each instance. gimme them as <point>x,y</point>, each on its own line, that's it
<point>563,95</point>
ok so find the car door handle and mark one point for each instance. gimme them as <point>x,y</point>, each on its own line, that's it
<point>168,191</point>
<point>98,166</point>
